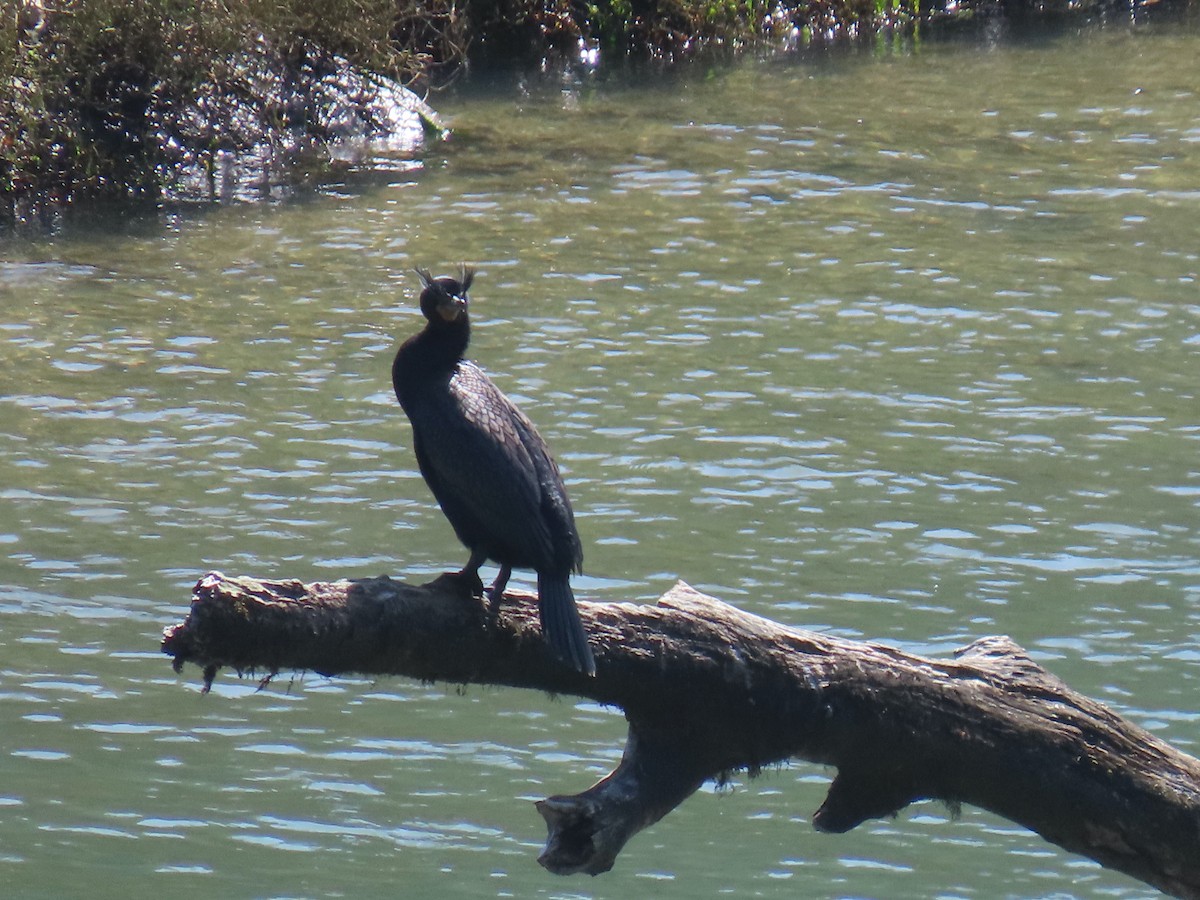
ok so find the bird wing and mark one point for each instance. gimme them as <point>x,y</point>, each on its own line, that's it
<point>491,470</point>
<point>555,505</point>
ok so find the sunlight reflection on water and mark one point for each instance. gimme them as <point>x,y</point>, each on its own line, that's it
<point>917,378</point>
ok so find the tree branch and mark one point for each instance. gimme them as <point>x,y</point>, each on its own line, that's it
<point>708,689</point>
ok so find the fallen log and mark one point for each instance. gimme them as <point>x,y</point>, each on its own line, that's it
<point>708,689</point>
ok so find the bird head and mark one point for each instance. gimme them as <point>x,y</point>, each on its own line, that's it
<point>444,299</point>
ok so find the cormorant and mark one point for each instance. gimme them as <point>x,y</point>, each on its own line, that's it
<point>488,467</point>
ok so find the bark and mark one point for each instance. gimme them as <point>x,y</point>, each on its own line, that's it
<point>708,689</point>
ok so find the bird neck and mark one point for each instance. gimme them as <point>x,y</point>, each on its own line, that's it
<point>430,355</point>
<point>446,342</point>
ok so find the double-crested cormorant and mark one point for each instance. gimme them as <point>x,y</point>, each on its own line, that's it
<point>488,467</point>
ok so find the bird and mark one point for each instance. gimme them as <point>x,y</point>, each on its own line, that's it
<point>488,467</point>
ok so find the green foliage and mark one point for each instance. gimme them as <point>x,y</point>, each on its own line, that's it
<point>81,96</point>
<point>87,85</point>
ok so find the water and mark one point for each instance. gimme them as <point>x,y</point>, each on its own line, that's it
<point>896,345</point>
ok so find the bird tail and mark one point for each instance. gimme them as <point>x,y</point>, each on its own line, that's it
<point>561,624</point>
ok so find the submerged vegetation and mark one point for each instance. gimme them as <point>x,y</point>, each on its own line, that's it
<point>132,97</point>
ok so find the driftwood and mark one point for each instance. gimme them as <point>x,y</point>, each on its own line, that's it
<point>708,689</point>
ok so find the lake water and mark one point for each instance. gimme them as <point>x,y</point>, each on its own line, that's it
<point>902,345</point>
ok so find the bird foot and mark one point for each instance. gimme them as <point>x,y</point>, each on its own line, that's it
<point>468,583</point>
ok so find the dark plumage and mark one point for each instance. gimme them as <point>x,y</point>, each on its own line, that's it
<point>488,467</point>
